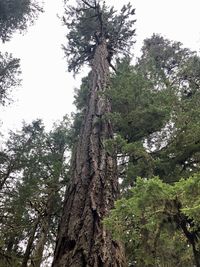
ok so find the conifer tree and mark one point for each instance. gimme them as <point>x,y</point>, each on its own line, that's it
<point>33,170</point>
<point>159,136</point>
<point>9,76</point>
<point>96,35</point>
<point>15,15</point>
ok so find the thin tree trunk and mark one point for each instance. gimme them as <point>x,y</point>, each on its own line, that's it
<point>82,239</point>
<point>196,254</point>
<point>39,248</point>
<point>4,178</point>
<point>29,246</point>
<point>45,225</point>
<point>189,235</point>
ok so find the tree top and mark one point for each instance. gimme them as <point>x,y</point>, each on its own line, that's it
<point>92,21</point>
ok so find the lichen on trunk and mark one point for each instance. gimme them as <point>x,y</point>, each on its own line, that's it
<point>82,238</point>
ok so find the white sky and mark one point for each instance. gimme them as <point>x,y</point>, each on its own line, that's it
<point>47,88</point>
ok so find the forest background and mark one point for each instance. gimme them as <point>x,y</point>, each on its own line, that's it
<point>162,84</point>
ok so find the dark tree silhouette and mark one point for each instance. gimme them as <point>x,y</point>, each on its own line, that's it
<point>16,15</point>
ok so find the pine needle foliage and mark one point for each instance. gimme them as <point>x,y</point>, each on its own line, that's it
<point>16,15</point>
<point>92,21</point>
<point>9,76</point>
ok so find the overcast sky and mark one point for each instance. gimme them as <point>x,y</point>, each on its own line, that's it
<point>47,88</point>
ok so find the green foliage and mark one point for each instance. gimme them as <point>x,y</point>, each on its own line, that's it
<point>188,191</point>
<point>159,222</point>
<point>162,61</point>
<point>155,110</point>
<point>180,156</point>
<point>9,72</point>
<point>34,170</point>
<point>91,22</point>
<point>15,15</point>
<point>156,121</point>
<point>137,110</point>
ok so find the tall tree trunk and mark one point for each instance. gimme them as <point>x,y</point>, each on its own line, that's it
<point>82,238</point>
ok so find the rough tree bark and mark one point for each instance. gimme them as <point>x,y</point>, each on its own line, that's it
<point>82,238</point>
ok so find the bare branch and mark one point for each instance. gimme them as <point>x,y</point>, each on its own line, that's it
<point>87,4</point>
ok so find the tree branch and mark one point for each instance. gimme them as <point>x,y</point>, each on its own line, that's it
<point>87,4</point>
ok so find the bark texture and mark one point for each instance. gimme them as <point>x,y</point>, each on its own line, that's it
<point>82,239</point>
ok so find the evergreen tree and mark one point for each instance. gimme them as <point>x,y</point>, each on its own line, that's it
<point>15,15</point>
<point>156,112</point>
<point>9,72</point>
<point>36,168</point>
<point>172,67</point>
<point>159,223</point>
<point>96,34</point>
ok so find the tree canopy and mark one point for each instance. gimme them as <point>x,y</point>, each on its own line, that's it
<point>91,21</point>
<point>33,172</point>
<point>155,209</point>
<point>9,76</point>
<point>16,15</point>
<point>159,222</point>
